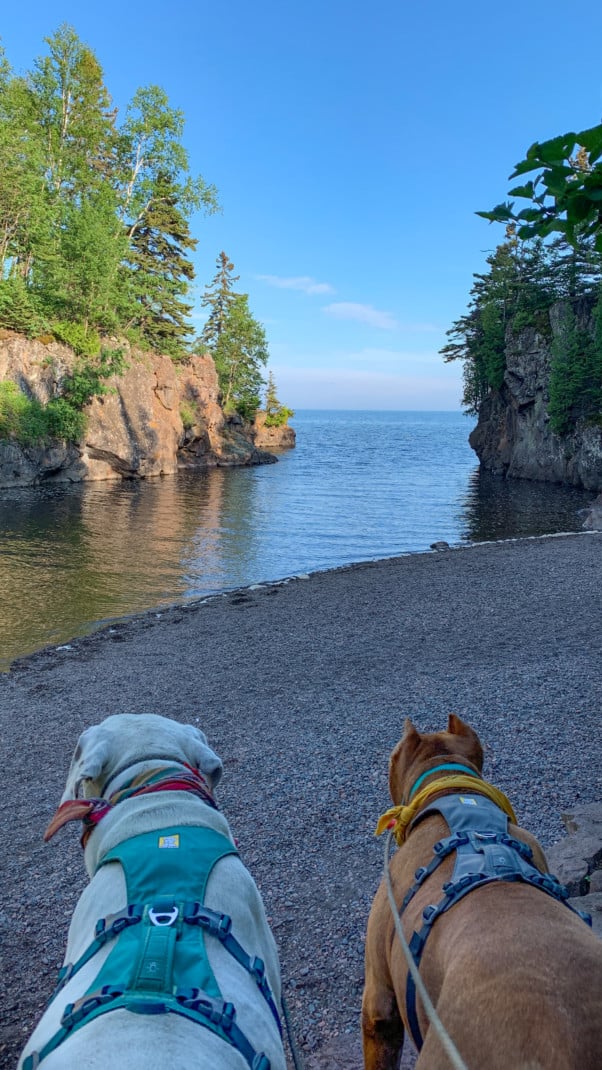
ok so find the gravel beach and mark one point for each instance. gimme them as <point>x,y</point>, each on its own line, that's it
<point>302,688</point>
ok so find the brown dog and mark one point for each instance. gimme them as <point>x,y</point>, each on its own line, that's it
<point>514,974</point>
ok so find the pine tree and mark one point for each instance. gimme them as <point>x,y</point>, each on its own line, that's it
<point>219,297</point>
<point>239,354</point>
<point>161,272</point>
<point>276,414</point>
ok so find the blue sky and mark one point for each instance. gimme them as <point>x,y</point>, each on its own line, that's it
<point>351,145</point>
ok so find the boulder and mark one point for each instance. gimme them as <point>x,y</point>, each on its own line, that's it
<point>593,516</point>
<point>577,859</point>
<point>272,438</point>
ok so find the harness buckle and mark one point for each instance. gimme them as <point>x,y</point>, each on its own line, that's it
<point>218,1011</point>
<point>163,917</point>
<point>211,921</point>
<point>75,1012</point>
<point>257,968</point>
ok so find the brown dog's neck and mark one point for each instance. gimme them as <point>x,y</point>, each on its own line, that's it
<point>439,766</point>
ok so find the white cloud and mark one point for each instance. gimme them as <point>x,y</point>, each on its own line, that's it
<point>374,317</point>
<point>303,283</point>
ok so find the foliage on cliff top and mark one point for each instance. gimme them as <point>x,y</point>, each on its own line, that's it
<point>94,215</point>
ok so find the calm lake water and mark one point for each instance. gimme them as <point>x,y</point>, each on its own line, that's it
<point>359,486</point>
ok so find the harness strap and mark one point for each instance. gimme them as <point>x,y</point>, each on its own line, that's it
<point>193,913</point>
<point>482,857</point>
<point>192,1003</point>
<point>152,969</point>
<point>220,925</point>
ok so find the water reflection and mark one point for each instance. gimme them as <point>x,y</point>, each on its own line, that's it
<point>497,508</point>
<point>358,486</point>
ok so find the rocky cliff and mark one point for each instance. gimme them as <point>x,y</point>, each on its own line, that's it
<point>156,417</point>
<point>513,436</point>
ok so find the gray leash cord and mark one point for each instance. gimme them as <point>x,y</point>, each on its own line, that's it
<point>446,1041</point>
<point>296,1054</point>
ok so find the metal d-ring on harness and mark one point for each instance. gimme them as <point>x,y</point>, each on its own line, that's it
<point>485,852</point>
<point>157,964</point>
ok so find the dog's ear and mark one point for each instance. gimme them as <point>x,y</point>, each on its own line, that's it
<point>89,760</point>
<point>457,727</point>
<point>470,742</point>
<point>201,756</point>
<point>401,759</point>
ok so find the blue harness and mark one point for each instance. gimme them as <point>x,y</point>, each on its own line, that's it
<point>485,852</point>
<point>159,963</point>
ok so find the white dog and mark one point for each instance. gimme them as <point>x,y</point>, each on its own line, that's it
<point>145,1001</point>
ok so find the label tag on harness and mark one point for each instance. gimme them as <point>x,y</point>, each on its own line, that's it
<point>169,841</point>
<point>467,800</point>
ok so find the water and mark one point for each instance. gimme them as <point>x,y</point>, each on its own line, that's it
<point>359,486</point>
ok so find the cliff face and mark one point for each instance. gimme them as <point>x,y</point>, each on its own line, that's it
<point>513,436</point>
<point>135,430</point>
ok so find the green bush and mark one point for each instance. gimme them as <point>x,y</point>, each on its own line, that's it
<point>89,376</point>
<point>82,341</point>
<point>280,417</point>
<point>64,421</point>
<point>188,414</point>
<point>17,309</point>
<point>29,422</point>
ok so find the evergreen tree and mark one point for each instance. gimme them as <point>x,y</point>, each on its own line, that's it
<point>218,298</point>
<point>276,414</point>
<point>239,354</point>
<point>161,272</point>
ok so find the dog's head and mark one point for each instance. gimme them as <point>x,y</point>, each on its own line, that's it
<point>416,750</point>
<point>126,738</point>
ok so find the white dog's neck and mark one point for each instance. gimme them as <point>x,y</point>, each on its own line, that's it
<point>128,771</point>
<point>143,813</point>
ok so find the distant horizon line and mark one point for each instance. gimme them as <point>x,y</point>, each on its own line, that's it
<point>331,408</point>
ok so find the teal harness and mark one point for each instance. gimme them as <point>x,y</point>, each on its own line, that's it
<point>159,963</point>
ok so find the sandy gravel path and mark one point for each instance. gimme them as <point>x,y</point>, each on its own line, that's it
<point>303,689</point>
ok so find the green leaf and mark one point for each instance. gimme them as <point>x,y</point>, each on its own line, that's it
<point>557,149</point>
<point>530,215</point>
<point>578,208</point>
<point>591,140</point>
<point>522,191</point>
<point>502,213</point>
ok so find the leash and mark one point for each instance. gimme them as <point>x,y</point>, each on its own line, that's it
<point>290,1036</point>
<point>446,1041</point>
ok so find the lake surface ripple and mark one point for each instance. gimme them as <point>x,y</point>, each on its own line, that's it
<point>359,486</point>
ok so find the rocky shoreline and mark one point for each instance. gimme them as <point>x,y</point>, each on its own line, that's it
<point>302,687</point>
<point>156,417</point>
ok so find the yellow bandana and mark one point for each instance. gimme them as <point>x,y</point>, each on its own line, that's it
<point>398,818</point>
